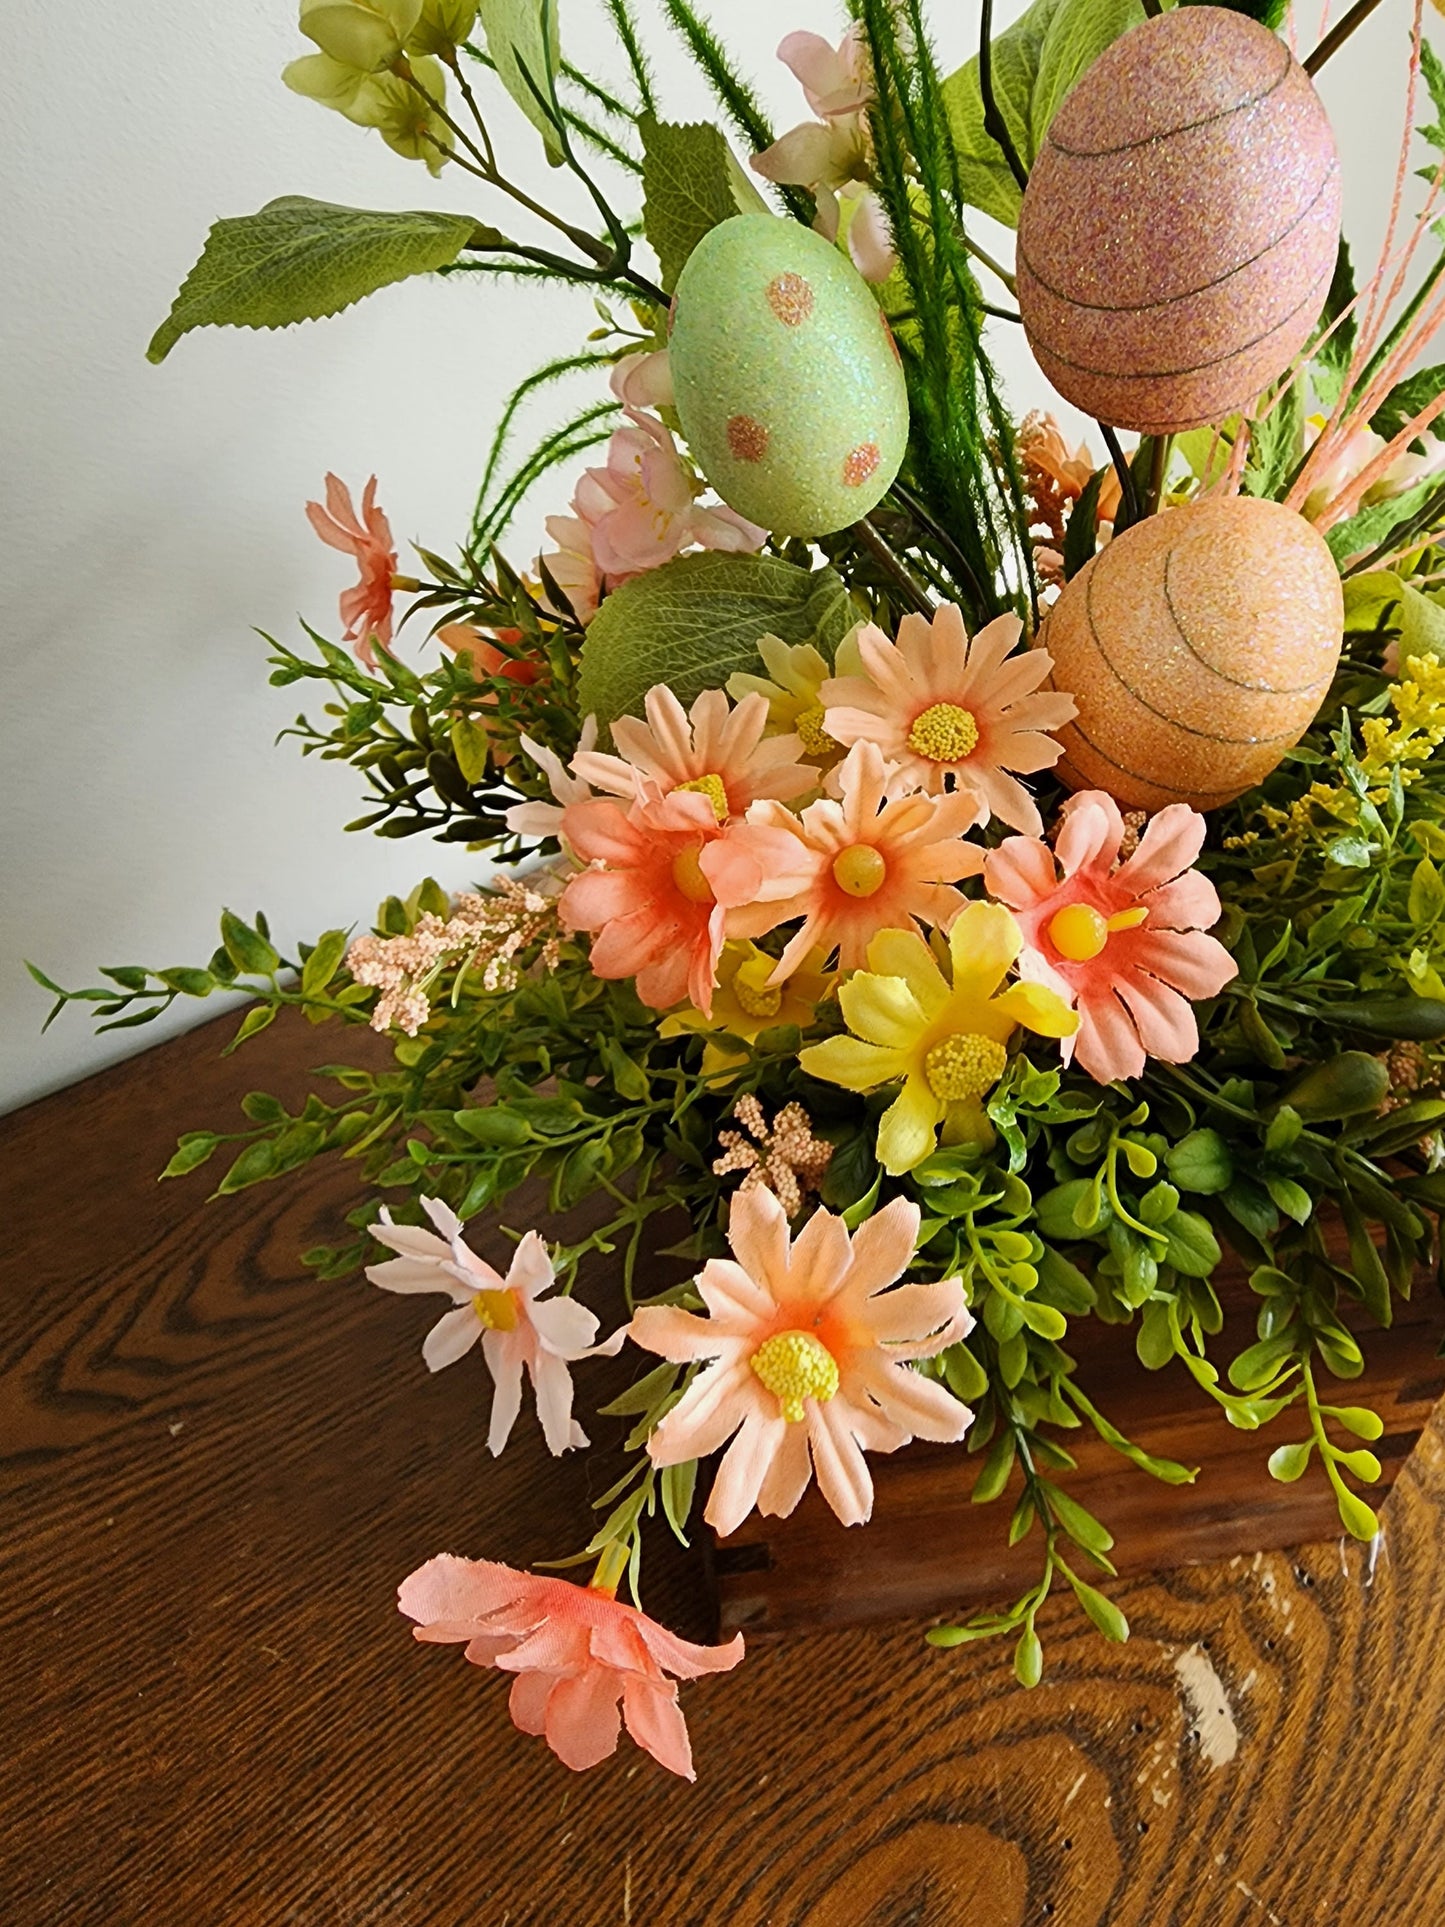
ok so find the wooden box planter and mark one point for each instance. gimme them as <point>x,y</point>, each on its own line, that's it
<point>928,1550</point>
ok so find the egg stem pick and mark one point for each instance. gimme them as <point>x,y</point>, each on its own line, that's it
<point>993,121</point>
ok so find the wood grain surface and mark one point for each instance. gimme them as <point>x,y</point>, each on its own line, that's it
<point>215,1470</point>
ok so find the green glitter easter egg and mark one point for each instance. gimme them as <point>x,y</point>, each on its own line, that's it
<point>788,384</point>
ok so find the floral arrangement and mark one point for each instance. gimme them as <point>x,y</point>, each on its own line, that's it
<point>899,904</point>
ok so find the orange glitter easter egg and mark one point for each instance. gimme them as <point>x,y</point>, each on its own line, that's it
<point>1198,645</point>
<point>1179,230</point>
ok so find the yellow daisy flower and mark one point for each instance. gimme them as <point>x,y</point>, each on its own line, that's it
<point>947,1041</point>
<point>745,1004</point>
<point>796,674</point>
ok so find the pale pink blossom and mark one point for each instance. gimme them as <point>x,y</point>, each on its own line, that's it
<point>950,712</point>
<point>665,878</point>
<point>545,819</point>
<point>366,608</point>
<point>716,748</point>
<point>1126,942</point>
<point>809,1343</point>
<point>635,513</point>
<point>520,1329</point>
<point>575,1651</point>
<point>643,380</point>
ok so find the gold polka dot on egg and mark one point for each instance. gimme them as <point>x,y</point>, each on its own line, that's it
<point>1180,227</point>
<point>1199,646</point>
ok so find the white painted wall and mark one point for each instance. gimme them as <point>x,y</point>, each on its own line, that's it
<point>152,516</point>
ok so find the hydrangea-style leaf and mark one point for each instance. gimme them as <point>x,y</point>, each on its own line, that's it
<point>299,260</point>
<point>696,620</point>
<point>688,189</point>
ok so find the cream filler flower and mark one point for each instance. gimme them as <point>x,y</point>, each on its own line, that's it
<point>946,1040</point>
<point>946,711</point>
<point>519,1328</point>
<point>809,1344</point>
<point>870,862</point>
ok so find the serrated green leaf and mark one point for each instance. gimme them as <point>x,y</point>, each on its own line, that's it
<point>299,260</point>
<point>696,620</point>
<point>687,189</point>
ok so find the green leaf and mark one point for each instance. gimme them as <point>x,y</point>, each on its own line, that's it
<point>1331,363</point>
<point>191,1150</point>
<point>678,1484</point>
<point>522,39</point>
<point>993,1474</point>
<point>1358,1419</point>
<point>493,1126</point>
<point>321,966</point>
<point>1104,1613</point>
<point>1356,1517</point>
<point>1201,1162</point>
<point>1044,1320</point>
<point>255,1020</point>
<point>1372,525</point>
<point>1290,1462</point>
<point>963,1374</point>
<point>984,174</point>
<point>1028,1658</point>
<point>1427,894</point>
<point>299,259</point>
<point>1292,1198</point>
<point>687,189</point>
<point>470,746</point>
<point>1080,1524</point>
<point>696,620</point>
<point>256,1162</point>
<point>1192,1248</point>
<point>1081,533</point>
<point>247,948</point>
<point>1406,399</point>
<point>1364,1465</point>
<point>1077,34</point>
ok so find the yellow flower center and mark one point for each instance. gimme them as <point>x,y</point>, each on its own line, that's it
<point>860,870</point>
<point>811,733</point>
<point>944,734</point>
<point>496,1309</point>
<point>795,1366</point>
<point>964,1066</point>
<point>752,990</point>
<point>1079,932</point>
<point>712,788</point>
<point>687,874</point>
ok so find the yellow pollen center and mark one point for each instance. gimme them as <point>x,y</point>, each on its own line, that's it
<point>687,874</point>
<point>964,1066</point>
<point>1079,932</point>
<point>496,1309</point>
<point>811,732</point>
<point>752,990</point>
<point>712,788</point>
<point>860,870</point>
<point>944,734</point>
<point>795,1366</point>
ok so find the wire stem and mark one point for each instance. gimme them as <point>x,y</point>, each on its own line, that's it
<point>1339,34</point>
<point>994,123</point>
<point>1123,471</point>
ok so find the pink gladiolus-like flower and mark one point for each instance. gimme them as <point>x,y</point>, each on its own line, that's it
<point>634,514</point>
<point>545,819</point>
<point>872,863</point>
<point>520,1330</point>
<point>575,1651</point>
<point>715,749</point>
<point>365,608</point>
<point>1125,941</point>
<point>949,712</point>
<point>809,1349</point>
<point>666,874</point>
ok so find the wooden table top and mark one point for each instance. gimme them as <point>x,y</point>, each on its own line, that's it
<point>217,1468</point>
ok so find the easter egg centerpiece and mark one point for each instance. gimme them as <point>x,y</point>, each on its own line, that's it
<point>788,384</point>
<point>1198,645</point>
<point>1180,227</point>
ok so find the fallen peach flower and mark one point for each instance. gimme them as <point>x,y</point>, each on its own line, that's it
<point>576,1652</point>
<point>519,1329</point>
<point>365,608</point>
<point>1124,941</point>
<point>809,1343</point>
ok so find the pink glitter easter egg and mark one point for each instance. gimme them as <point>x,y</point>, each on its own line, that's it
<point>1198,645</point>
<point>1180,226</point>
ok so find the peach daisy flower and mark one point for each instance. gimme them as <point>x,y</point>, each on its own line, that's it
<point>809,1351</point>
<point>945,1038</point>
<point>1125,941</point>
<point>714,748</point>
<point>519,1329</point>
<point>575,1651</point>
<point>871,863</point>
<point>947,711</point>
<point>665,877</point>
<point>365,608</point>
